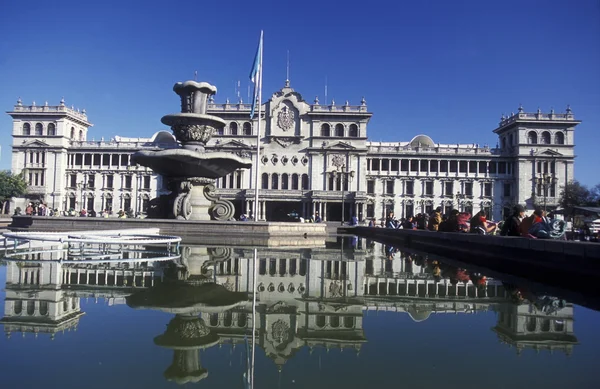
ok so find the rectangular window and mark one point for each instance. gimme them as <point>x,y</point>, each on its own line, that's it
<point>463,166</point>
<point>482,167</point>
<point>487,189</point>
<point>444,166</point>
<point>109,181</point>
<point>414,165</point>
<point>78,159</point>
<point>410,188</point>
<point>126,204</point>
<point>147,182</point>
<point>91,181</point>
<point>375,164</point>
<point>87,160</point>
<point>128,182</point>
<point>429,188</point>
<point>553,190</point>
<point>105,159</point>
<point>468,189</point>
<point>395,165</point>
<point>507,190</point>
<point>97,159</point>
<point>472,167</point>
<point>433,166</point>
<point>370,210</point>
<point>385,165</point>
<point>539,167</point>
<point>453,166</point>
<point>145,205</point>
<point>410,210</point>
<point>493,169</point>
<point>423,167</point>
<point>124,159</point>
<point>502,168</point>
<point>429,209</point>
<point>73,181</point>
<point>553,167</point>
<point>115,160</point>
<point>389,187</point>
<point>448,188</point>
<point>404,165</point>
<point>371,186</point>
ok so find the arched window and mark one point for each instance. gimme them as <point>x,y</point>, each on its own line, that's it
<point>81,135</point>
<point>559,138</point>
<point>214,319</point>
<point>294,181</point>
<point>26,129</point>
<point>43,308</point>
<point>545,138</point>
<point>39,129</point>
<point>325,129</point>
<point>242,319</point>
<point>531,324</point>
<point>305,181</point>
<point>65,306</point>
<point>559,326</point>
<point>30,307</point>
<point>320,321</point>
<point>275,181</point>
<point>51,129</point>
<point>339,130</point>
<point>334,321</point>
<point>545,326</point>
<point>349,322</point>
<point>353,131</point>
<point>284,181</point>
<point>265,181</point>
<point>532,138</point>
<point>73,133</point>
<point>247,128</point>
<point>18,307</point>
<point>228,319</point>
<point>233,127</point>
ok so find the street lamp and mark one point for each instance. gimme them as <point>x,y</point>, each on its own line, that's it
<point>345,177</point>
<point>545,182</point>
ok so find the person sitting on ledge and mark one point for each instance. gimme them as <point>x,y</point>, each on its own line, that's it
<point>451,224</point>
<point>512,226</point>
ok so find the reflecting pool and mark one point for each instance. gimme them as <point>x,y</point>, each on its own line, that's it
<point>347,314</point>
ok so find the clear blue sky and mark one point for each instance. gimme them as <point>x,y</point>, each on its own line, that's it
<point>448,69</point>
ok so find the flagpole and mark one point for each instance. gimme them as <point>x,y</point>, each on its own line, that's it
<point>258,129</point>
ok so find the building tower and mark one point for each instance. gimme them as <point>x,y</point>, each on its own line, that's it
<point>41,138</point>
<point>542,146</point>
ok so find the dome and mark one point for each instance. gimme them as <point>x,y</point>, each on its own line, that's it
<point>418,315</point>
<point>163,137</point>
<point>422,141</point>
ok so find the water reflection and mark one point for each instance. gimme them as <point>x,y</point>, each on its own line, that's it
<point>305,298</point>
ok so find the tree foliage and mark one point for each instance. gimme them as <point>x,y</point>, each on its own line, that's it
<point>574,194</point>
<point>11,185</point>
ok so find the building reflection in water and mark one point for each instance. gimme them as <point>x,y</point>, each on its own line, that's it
<point>304,298</point>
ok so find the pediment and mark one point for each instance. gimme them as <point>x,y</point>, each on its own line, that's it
<point>35,143</point>
<point>340,145</point>
<point>234,144</point>
<point>549,153</point>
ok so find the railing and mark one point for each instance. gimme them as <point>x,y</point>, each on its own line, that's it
<point>47,108</point>
<point>537,116</point>
<point>32,189</point>
<point>338,108</point>
<point>123,145</point>
<point>463,149</point>
<point>230,107</point>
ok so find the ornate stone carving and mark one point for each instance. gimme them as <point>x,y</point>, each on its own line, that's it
<point>280,331</point>
<point>187,329</point>
<point>285,118</point>
<point>193,132</point>
<point>220,209</point>
<point>338,161</point>
<point>335,290</point>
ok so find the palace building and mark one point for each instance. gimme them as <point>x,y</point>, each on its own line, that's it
<point>314,158</point>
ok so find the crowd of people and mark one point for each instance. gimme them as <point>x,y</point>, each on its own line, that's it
<point>41,209</point>
<point>537,225</point>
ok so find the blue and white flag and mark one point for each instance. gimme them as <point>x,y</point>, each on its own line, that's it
<point>256,74</point>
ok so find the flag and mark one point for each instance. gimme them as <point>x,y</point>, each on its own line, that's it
<point>256,73</point>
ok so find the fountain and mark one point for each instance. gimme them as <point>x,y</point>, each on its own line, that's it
<point>190,171</point>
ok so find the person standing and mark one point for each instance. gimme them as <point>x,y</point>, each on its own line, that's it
<point>435,219</point>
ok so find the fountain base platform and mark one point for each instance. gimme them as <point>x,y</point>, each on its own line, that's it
<point>231,233</point>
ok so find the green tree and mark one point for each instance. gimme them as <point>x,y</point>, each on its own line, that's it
<point>11,185</point>
<point>574,194</point>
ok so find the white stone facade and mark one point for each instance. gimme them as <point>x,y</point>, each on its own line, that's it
<point>312,156</point>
